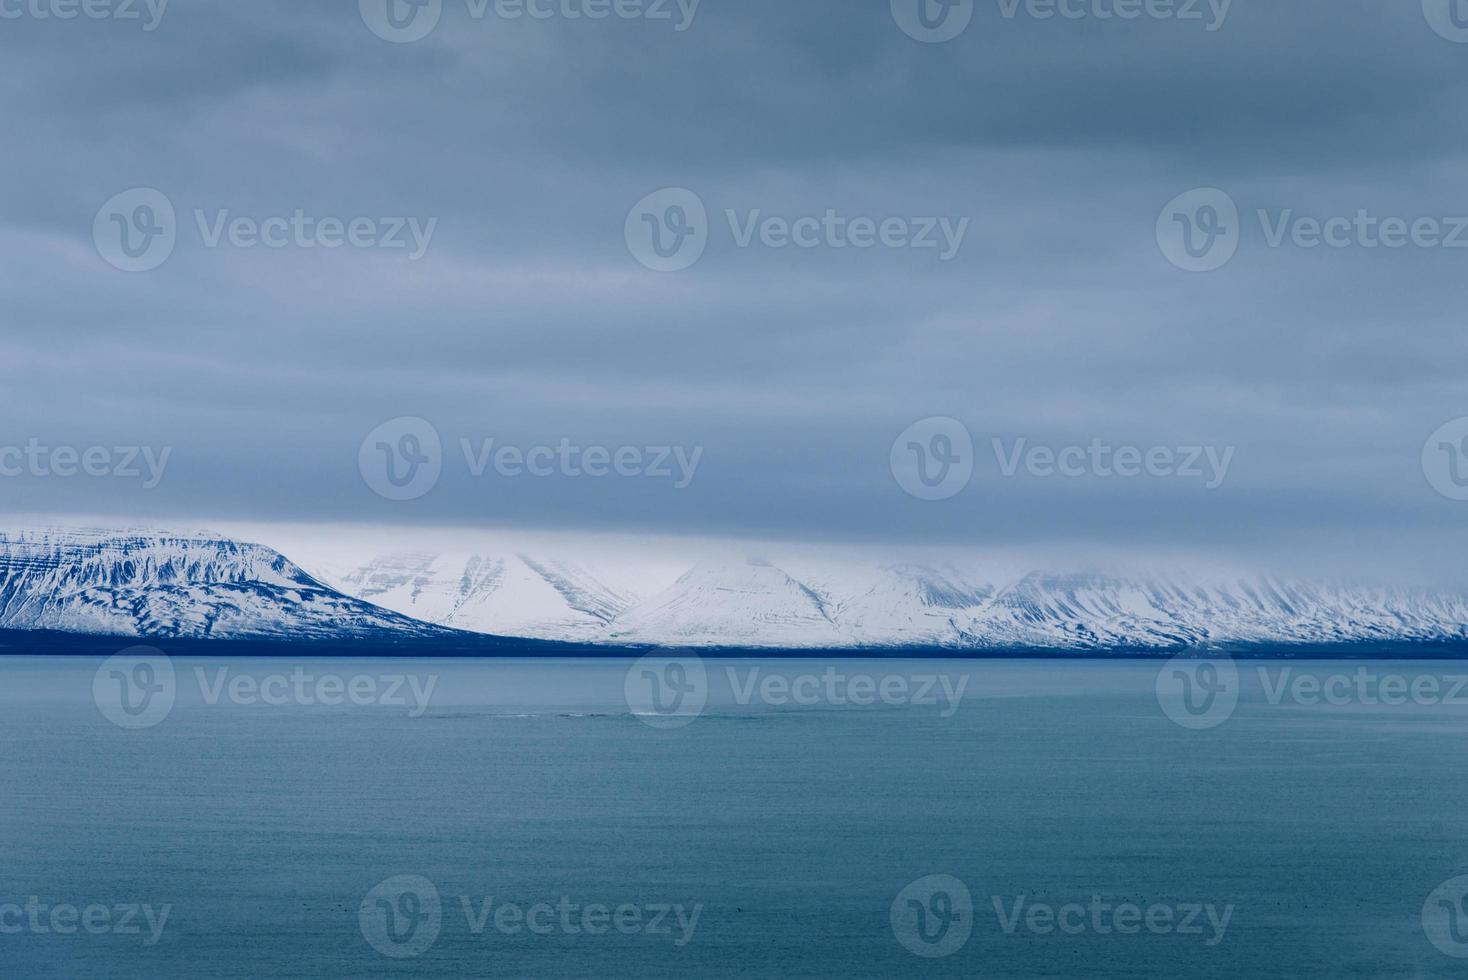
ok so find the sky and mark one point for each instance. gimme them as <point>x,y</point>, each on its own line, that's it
<point>746,269</point>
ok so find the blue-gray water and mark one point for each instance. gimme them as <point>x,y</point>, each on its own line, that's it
<point>790,828</point>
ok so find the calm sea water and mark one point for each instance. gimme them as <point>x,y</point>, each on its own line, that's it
<point>302,840</point>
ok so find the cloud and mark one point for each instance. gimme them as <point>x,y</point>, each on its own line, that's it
<point>528,320</point>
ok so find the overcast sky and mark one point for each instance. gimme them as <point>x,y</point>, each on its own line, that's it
<point>1053,312</point>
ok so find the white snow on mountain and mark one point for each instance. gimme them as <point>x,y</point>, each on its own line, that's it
<point>82,580</point>
<point>717,594</point>
<point>505,593</point>
<point>660,592</point>
<point>748,603</point>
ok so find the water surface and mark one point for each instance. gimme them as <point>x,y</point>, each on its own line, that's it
<point>792,828</point>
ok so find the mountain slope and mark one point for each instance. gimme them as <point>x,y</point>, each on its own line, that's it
<point>809,601</point>
<point>82,581</point>
<point>495,591</point>
<point>737,604</point>
<point>166,585</point>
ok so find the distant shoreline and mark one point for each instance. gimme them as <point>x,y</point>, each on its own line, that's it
<point>22,643</point>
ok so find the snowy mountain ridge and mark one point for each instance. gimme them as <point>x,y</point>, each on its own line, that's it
<point>158,585</point>
<point>151,583</point>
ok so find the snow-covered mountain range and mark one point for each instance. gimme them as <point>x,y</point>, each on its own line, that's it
<point>814,603</point>
<point>167,584</point>
<point>159,585</point>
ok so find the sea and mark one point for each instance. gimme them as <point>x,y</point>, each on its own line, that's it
<point>334,817</point>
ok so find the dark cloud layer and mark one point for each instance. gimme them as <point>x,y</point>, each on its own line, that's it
<point>528,320</point>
